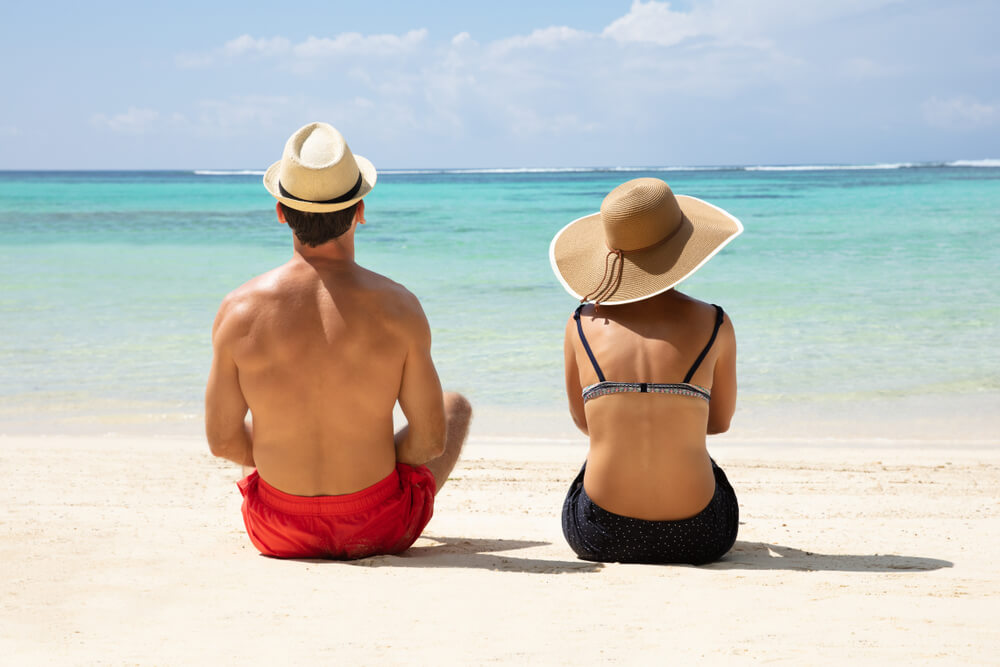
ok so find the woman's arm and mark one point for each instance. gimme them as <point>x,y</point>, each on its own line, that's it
<point>723,403</point>
<point>574,391</point>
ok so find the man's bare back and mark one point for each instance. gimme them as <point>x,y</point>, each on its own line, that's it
<point>319,350</point>
<point>321,345</point>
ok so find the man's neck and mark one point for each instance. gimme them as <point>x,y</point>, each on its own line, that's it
<point>339,249</point>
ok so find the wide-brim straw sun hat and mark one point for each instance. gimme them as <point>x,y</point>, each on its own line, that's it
<point>644,241</point>
<point>318,173</point>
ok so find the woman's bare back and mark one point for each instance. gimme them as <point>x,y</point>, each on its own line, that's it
<point>647,456</point>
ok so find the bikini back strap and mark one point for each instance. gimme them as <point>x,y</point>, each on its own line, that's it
<point>586,346</point>
<point>701,357</point>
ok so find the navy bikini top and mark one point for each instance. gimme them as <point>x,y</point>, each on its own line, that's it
<point>684,388</point>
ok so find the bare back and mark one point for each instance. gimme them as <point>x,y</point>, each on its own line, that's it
<point>647,456</point>
<point>322,348</point>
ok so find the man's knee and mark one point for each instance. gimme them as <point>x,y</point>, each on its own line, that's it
<point>457,407</point>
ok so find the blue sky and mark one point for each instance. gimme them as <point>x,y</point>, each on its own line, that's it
<point>221,85</point>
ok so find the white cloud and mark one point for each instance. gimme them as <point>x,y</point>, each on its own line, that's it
<point>463,38</point>
<point>717,65</point>
<point>356,44</point>
<point>960,113</point>
<point>556,80</point>
<point>546,38</point>
<point>748,22</point>
<point>654,22</point>
<point>133,121</point>
<point>303,55</point>
<point>245,44</point>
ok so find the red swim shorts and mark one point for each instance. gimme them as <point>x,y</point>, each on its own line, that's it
<point>385,518</point>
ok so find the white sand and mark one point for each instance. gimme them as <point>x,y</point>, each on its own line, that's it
<point>132,550</point>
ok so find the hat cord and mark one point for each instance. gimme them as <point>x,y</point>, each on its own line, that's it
<point>603,292</point>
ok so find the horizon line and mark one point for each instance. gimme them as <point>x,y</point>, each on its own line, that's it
<point>811,166</point>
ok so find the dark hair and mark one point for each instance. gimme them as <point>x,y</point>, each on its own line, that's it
<point>313,229</point>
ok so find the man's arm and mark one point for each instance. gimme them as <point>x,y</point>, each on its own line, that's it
<point>225,407</point>
<point>420,397</point>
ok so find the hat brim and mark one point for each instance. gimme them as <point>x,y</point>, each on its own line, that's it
<point>368,178</point>
<point>579,252</point>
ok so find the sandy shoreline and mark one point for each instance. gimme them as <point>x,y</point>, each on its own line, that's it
<point>131,550</point>
<point>933,417</point>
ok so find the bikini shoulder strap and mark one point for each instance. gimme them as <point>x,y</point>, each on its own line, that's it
<point>586,346</point>
<point>701,357</point>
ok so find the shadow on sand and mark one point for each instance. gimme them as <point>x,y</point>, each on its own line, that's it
<point>764,556</point>
<point>466,552</point>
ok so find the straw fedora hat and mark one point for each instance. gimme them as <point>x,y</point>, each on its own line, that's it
<point>644,241</point>
<point>318,173</point>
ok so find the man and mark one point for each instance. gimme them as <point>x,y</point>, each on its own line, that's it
<point>319,350</point>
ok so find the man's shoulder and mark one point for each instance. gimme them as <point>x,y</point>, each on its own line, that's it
<point>394,298</point>
<point>262,286</point>
<point>238,306</point>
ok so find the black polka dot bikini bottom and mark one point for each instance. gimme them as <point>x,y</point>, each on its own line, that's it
<point>596,534</point>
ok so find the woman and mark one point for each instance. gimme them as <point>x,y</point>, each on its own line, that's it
<point>649,372</point>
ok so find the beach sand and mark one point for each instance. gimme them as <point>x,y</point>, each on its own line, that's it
<point>131,549</point>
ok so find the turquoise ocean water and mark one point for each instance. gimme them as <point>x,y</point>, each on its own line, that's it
<point>849,284</point>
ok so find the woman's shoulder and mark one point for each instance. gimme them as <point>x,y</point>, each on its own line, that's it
<point>686,300</point>
<point>693,305</point>
<point>671,306</point>
<point>696,315</point>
